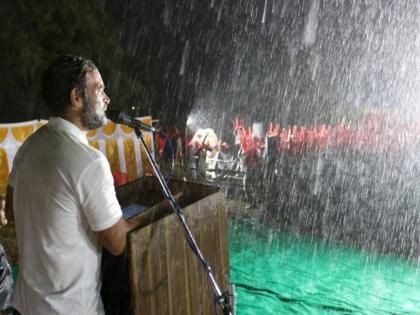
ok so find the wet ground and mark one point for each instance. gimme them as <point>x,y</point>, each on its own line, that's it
<point>279,271</point>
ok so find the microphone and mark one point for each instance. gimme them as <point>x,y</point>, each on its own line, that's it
<point>121,118</point>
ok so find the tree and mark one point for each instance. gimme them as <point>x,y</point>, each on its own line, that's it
<point>34,32</point>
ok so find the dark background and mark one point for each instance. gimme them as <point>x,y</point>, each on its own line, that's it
<point>296,62</point>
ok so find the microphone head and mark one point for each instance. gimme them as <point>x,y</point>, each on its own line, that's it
<point>117,117</point>
<point>121,118</point>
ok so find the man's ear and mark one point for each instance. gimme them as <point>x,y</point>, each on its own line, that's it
<point>76,98</point>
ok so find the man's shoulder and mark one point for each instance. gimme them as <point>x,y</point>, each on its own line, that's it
<point>59,146</point>
<point>66,142</point>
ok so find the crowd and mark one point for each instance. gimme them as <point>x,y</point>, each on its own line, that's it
<point>251,153</point>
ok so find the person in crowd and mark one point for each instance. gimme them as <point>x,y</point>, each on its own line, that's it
<point>176,143</point>
<point>254,170</point>
<point>62,198</point>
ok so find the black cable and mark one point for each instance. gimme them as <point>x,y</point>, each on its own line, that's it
<point>285,299</point>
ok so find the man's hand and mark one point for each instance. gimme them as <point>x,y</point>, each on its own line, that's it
<point>114,239</point>
<point>166,205</point>
<point>153,214</point>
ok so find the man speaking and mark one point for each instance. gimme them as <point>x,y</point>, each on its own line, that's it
<point>62,198</point>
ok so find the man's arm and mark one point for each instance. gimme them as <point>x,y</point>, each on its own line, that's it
<point>114,239</point>
<point>9,204</point>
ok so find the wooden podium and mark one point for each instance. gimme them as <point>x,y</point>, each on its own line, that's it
<point>158,273</point>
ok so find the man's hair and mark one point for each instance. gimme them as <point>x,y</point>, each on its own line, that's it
<point>63,75</point>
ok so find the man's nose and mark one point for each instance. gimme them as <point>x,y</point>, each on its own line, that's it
<point>107,100</point>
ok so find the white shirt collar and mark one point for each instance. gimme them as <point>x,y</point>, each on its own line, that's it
<point>67,126</point>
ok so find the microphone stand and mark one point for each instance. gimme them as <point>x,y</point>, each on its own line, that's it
<point>220,298</point>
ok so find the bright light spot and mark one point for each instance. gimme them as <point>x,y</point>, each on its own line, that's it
<point>190,121</point>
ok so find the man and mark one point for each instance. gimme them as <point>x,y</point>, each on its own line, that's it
<point>62,198</point>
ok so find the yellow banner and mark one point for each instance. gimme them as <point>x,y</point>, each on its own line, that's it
<point>117,142</point>
<point>4,171</point>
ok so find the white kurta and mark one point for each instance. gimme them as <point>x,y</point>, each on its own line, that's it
<point>63,191</point>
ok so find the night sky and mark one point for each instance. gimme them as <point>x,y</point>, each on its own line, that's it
<point>296,62</point>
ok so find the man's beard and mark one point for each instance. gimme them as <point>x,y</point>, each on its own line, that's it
<point>92,115</point>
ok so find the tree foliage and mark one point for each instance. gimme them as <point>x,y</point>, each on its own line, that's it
<point>36,31</point>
